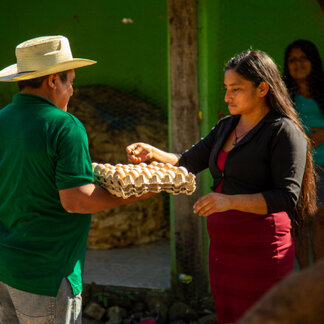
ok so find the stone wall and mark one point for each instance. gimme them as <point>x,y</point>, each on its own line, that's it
<point>114,119</point>
<point>114,305</point>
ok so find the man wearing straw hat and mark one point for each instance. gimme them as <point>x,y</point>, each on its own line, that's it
<point>46,190</point>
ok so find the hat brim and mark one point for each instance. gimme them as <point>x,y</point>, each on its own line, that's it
<point>10,73</point>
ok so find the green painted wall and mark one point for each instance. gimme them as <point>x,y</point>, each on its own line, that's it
<point>134,56</point>
<point>131,56</point>
<point>228,27</point>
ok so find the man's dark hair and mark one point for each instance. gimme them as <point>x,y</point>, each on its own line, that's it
<point>37,82</point>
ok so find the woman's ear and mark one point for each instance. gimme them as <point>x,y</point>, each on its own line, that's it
<point>263,89</point>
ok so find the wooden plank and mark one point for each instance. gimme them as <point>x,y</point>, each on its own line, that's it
<point>185,132</point>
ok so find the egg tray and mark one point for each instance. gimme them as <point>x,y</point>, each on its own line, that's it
<point>125,180</point>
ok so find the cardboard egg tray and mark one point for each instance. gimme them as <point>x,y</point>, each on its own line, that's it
<point>124,180</point>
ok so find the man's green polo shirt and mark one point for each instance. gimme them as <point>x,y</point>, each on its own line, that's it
<point>42,150</point>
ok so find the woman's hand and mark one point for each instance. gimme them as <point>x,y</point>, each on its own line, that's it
<point>317,136</point>
<point>139,152</point>
<point>212,203</point>
<point>217,202</point>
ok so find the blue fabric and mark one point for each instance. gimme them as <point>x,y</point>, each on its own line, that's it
<point>311,116</point>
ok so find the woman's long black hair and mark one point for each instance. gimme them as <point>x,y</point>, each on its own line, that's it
<point>316,77</point>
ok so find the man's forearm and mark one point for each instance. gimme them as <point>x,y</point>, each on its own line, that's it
<point>90,199</point>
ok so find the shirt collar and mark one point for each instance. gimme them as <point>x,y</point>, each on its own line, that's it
<point>27,98</point>
<point>270,117</point>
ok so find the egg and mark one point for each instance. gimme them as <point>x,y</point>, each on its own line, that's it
<point>125,180</point>
<point>119,174</point>
<point>182,170</point>
<point>147,173</point>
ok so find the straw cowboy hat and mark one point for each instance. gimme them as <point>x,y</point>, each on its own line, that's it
<point>42,56</point>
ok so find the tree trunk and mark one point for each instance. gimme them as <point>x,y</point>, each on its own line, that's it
<point>185,133</point>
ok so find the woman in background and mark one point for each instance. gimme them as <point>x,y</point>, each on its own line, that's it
<point>304,78</point>
<point>260,160</point>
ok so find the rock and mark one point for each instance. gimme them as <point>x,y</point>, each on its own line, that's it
<point>127,321</point>
<point>153,299</point>
<point>116,314</point>
<point>136,317</point>
<point>139,307</point>
<point>163,313</point>
<point>157,302</point>
<point>208,319</point>
<point>297,299</point>
<point>207,305</point>
<point>112,311</point>
<point>180,310</point>
<point>114,297</point>
<point>90,321</point>
<point>114,320</point>
<point>94,311</point>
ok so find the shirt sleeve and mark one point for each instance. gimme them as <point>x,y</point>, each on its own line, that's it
<point>73,167</point>
<point>196,158</point>
<point>287,162</point>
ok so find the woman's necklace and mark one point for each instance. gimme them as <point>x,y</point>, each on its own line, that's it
<point>238,137</point>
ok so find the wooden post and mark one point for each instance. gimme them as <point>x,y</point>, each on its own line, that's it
<point>185,133</point>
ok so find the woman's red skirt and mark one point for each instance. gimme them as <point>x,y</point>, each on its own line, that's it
<point>248,254</point>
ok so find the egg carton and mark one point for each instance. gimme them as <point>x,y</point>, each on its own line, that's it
<point>125,180</point>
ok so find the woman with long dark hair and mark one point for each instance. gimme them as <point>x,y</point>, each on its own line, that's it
<point>304,78</point>
<point>260,160</point>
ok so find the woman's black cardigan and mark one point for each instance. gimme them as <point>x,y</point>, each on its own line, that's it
<point>270,160</point>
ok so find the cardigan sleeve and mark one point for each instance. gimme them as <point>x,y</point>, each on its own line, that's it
<point>287,162</point>
<point>196,158</point>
